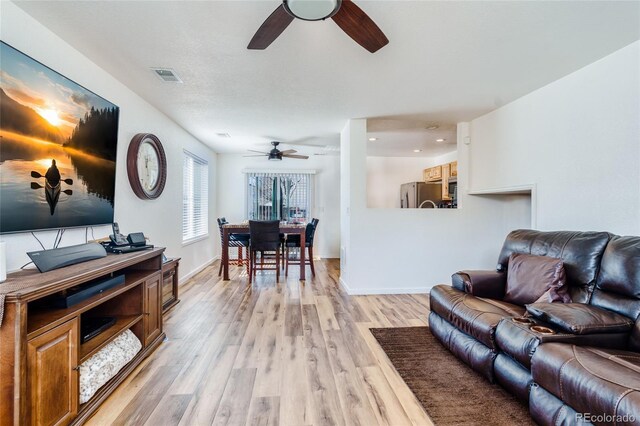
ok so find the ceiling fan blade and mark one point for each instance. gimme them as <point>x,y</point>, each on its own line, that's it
<point>270,29</point>
<point>301,157</point>
<point>288,151</point>
<point>360,27</point>
<point>256,155</point>
<point>259,152</point>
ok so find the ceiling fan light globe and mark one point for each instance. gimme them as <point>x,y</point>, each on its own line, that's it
<point>312,10</point>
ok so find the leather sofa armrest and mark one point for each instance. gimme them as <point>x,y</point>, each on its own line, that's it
<point>490,284</point>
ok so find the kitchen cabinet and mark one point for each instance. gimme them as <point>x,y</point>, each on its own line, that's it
<point>446,168</point>
<point>453,169</point>
<point>432,174</point>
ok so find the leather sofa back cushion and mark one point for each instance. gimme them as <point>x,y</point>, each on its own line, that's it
<point>618,285</point>
<point>578,318</point>
<point>581,253</point>
<point>535,278</point>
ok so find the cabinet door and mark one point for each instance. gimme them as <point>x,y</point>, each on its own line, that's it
<point>52,375</point>
<point>454,168</point>
<point>152,308</point>
<point>434,173</point>
<point>445,182</point>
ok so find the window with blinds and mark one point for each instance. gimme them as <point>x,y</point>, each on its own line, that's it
<point>195,199</point>
<point>279,196</point>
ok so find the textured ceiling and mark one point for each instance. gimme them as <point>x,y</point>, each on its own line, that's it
<point>446,61</point>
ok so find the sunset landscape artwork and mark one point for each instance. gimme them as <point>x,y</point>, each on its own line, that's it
<point>58,146</point>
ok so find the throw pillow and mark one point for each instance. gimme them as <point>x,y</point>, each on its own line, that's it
<point>533,279</point>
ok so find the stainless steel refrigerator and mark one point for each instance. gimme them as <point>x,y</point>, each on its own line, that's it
<point>420,195</point>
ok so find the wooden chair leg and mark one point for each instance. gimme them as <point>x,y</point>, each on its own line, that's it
<point>286,261</point>
<point>278,265</point>
<point>248,261</point>
<point>220,270</point>
<point>250,266</point>
<point>313,269</point>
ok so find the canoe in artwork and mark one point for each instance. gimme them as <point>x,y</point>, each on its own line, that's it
<point>53,194</point>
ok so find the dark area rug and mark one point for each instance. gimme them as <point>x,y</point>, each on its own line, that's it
<point>450,392</point>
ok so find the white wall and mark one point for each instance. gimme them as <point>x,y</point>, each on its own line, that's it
<point>411,250</point>
<point>577,140</point>
<point>161,219</point>
<point>326,192</point>
<point>386,174</point>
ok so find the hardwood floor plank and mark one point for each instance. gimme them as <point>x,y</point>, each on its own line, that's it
<point>142,405</point>
<point>326,314</point>
<point>373,312</point>
<point>387,408</point>
<point>234,406</point>
<point>360,352</point>
<point>169,411</point>
<point>269,350</point>
<point>355,405</point>
<point>324,396</point>
<point>211,389</point>
<point>264,412</point>
<point>293,318</point>
<point>295,403</point>
<point>200,360</point>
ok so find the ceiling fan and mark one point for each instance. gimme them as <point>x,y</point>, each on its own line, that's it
<point>345,13</point>
<point>276,154</point>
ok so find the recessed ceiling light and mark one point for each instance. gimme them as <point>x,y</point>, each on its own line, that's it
<point>440,140</point>
<point>417,150</point>
<point>373,139</point>
<point>433,127</point>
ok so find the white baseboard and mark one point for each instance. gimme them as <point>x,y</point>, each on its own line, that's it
<point>373,291</point>
<point>184,278</point>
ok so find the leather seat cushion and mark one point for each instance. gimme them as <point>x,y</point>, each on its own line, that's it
<point>591,380</point>
<point>520,342</point>
<point>578,318</point>
<point>476,316</point>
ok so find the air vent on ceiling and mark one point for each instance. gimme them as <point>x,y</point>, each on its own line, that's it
<point>167,74</point>
<point>223,135</point>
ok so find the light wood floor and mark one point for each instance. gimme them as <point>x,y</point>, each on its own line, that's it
<point>290,353</point>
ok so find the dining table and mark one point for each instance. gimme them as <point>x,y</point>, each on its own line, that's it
<point>243,228</point>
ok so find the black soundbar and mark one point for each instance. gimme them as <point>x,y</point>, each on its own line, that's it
<point>47,260</point>
<point>75,295</point>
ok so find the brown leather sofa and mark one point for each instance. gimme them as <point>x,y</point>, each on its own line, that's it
<point>600,328</point>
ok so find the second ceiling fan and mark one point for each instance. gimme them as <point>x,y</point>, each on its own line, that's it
<point>345,13</point>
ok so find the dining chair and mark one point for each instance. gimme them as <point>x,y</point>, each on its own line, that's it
<point>241,241</point>
<point>264,238</point>
<point>293,241</point>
